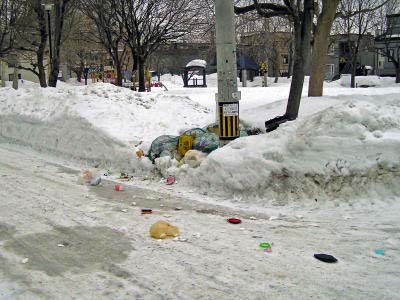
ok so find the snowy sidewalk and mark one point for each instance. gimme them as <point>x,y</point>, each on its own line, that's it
<point>87,244</point>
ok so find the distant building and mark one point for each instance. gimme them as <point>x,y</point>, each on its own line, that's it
<point>173,57</point>
<point>389,40</point>
<point>339,56</point>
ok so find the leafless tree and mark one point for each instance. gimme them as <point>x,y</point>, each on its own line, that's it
<point>325,11</point>
<point>62,9</point>
<point>31,39</point>
<point>387,35</point>
<point>80,44</point>
<point>355,19</point>
<point>110,30</point>
<point>301,14</point>
<point>10,11</point>
<point>151,23</point>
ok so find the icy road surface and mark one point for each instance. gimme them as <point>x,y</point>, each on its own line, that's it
<point>61,240</point>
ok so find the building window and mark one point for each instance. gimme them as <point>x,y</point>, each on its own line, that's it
<point>285,59</point>
<point>381,61</point>
<point>391,54</point>
<point>330,69</point>
<point>331,49</point>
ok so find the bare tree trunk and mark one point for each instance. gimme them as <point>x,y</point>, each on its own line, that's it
<point>320,47</point>
<point>41,69</point>
<point>43,41</point>
<point>60,8</point>
<point>276,65</point>
<point>118,68</point>
<point>142,82</point>
<point>135,61</point>
<point>291,60</point>
<point>353,71</point>
<point>302,28</point>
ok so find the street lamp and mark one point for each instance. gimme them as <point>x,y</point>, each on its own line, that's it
<point>48,8</point>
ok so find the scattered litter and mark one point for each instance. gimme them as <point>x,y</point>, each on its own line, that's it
<point>194,158</point>
<point>133,203</point>
<point>161,205</point>
<point>125,177</point>
<point>170,180</point>
<point>95,181</point>
<point>147,211</point>
<point>268,250</point>
<point>162,230</point>
<point>273,218</point>
<point>379,251</point>
<point>124,210</point>
<point>234,221</point>
<point>87,175</point>
<point>167,216</point>
<point>196,235</point>
<point>178,208</point>
<point>118,187</point>
<point>139,152</point>
<point>25,260</point>
<point>265,245</point>
<point>241,228</point>
<point>299,217</point>
<point>60,245</point>
<point>325,258</point>
<point>179,239</point>
<point>314,225</point>
<point>253,218</point>
<point>123,229</point>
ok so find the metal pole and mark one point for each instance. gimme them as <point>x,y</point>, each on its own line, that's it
<point>3,73</point>
<point>244,78</point>
<point>265,79</point>
<point>15,75</point>
<point>228,96</point>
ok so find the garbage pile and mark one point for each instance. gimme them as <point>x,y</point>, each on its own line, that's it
<point>204,140</point>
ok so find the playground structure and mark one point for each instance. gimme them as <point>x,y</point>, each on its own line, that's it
<point>195,74</point>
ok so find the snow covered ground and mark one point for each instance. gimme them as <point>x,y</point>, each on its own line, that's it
<point>61,240</point>
<point>327,182</point>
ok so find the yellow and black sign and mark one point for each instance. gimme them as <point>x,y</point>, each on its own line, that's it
<point>228,120</point>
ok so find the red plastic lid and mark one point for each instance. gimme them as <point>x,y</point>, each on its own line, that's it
<point>234,221</point>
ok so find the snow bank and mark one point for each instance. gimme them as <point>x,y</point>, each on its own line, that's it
<point>99,124</point>
<point>346,151</point>
<point>367,81</point>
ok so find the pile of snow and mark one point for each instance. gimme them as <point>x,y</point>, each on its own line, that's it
<point>99,124</point>
<point>197,63</point>
<point>344,151</point>
<point>172,81</point>
<point>367,81</point>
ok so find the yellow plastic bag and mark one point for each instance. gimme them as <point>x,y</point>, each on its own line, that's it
<point>163,230</point>
<point>185,144</point>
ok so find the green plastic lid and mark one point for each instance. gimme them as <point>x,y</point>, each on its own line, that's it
<point>265,245</point>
